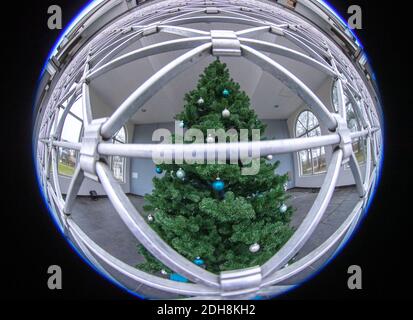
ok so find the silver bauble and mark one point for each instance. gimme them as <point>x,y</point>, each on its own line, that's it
<point>255,248</point>
<point>226,113</point>
<point>180,174</point>
<point>210,139</point>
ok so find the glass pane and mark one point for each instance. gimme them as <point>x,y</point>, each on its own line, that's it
<point>121,135</point>
<point>319,160</point>
<point>66,162</point>
<point>118,165</point>
<point>303,118</point>
<point>305,162</point>
<point>77,108</point>
<point>359,149</point>
<point>335,97</point>
<point>312,121</point>
<point>71,129</point>
<point>299,129</point>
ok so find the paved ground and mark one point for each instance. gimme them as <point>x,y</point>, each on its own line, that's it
<point>100,221</point>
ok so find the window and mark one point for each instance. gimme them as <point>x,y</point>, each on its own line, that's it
<point>334,96</point>
<point>71,132</point>
<point>117,163</point>
<point>353,124</point>
<point>310,161</point>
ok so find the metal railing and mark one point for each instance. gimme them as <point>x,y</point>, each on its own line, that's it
<point>98,58</point>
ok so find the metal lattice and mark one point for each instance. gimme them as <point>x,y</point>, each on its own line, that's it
<point>97,57</point>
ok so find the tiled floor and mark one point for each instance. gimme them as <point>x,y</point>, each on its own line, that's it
<point>100,221</point>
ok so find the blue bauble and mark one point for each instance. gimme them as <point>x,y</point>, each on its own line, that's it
<point>218,185</point>
<point>225,93</point>
<point>178,277</point>
<point>158,170</point>
<point>199,262</point>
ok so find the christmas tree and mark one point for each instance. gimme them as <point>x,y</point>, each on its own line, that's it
<point>213,214</point>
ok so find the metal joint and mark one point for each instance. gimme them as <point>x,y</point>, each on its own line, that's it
<point>89,150</point>
<point>345,137</point>
<point>211,10</point>
<point>240,282</point>
<point>293,27</point>
<point>225,43</point>
<point>148,30</point>
<point>277,30</point>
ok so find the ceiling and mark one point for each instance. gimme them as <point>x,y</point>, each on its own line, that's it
<point>265,91</point>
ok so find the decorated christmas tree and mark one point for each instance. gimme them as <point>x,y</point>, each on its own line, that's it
<point>213,214</point>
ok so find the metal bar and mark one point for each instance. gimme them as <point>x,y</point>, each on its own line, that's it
<point>253,31</point>
<point>198,151</point>
<point>158,48</point>
<point>288,53</point>
<point>182,31</point>
<point>67,145</point>
<point>86,107</point>
<point>112,53</point>
<point>302,264</point>
<point>147,236</point>
<point>138,275</point>
<point>307,227</point>
<point>292,82</point>
<point>341,100</point>
<point>215,19</point>
<point>58,129</point>
<point>73,190</point>
<point>150,87</point>
<point>321,52</point>
<point>368,163</point>
<point>56,176</point>
<point>305,47</point>
<point>355,169</point>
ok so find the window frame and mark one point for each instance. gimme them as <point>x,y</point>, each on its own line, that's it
<point>309,151</point>
<point>114,141</point>
<point>77,118</point>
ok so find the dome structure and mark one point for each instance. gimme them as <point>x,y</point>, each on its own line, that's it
<point>122,68</point>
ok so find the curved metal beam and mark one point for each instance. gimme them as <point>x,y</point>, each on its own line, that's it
<point>147,236</point>
<point>150,87</point>
<point>292,82</point>
<point>311,221</point>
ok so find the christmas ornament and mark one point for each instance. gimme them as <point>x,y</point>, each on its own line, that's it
<point>164,272</point>
<point>150,218</point>
<point>158,170</point>
<point>254,248</point>
<point>198,261</point>
<point>226,113</point>
<point>177,277</point>
<point>180,174</point>
<point>210,139</point>
<point>181,124</point>
<point>218,185</point>
<point>269,157</point>
<point>225,93</point>
<point>200,101</point>
<point>283,208</point>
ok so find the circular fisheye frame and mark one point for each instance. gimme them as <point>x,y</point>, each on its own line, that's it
<point>120,75</point>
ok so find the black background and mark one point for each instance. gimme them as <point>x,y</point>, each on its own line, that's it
<point>382,246</point>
